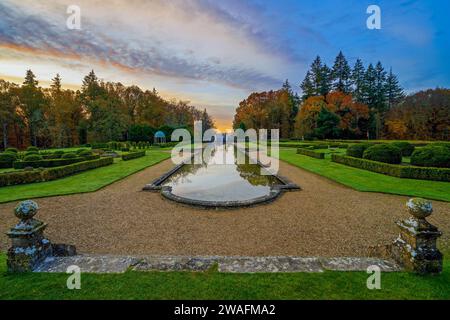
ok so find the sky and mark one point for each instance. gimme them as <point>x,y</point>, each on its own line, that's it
<point>215,53</point>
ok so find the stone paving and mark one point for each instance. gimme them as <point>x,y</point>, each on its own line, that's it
<point>120,264</point>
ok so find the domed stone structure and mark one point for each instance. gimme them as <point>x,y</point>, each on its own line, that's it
<point>160,137</point>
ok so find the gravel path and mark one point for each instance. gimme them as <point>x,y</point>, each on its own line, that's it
<point>325,219</point>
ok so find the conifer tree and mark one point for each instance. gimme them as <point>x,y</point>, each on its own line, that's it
<point>358,76</point>
<point>307,86</point>
<point>341,74</point>
<point>394,92</point>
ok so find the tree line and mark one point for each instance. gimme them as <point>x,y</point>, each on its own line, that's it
<point>347,102</point>
<point>99,112</point>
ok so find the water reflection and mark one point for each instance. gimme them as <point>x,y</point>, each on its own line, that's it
<point>221,178</point>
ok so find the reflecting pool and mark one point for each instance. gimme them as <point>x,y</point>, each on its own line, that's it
<point>221,179</point>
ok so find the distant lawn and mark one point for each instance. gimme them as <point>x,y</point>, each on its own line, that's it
<point>363,180</point>
<point>88,181</point>
<point>214,285</point>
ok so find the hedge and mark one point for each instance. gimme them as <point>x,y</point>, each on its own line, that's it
<point>357,150</point>
<point>431,156</point>
<point>386,153</point>
<point>50,163</point>
<point>6,164</point>
<point>399,171</point>
<point>24,177</point>
<point>310,153</point>
<point>405,147</point>
<point>133,155</point>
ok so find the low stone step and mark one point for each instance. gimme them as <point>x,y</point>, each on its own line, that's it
<point>120,264</point>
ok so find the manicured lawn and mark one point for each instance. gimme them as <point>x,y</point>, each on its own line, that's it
<point>214,285</point>
<point>363,180</point>
<point>88,181</point>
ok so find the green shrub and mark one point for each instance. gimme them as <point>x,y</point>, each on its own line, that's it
<point>23,177</point>
<point>79,151</point>
<point>12,150</point>
<point>33,157</point>
<point>406,148</point>
<point>8,157</point>
<point>100,146</point>
<point>440,144</point>
<point>29,153</point>
<point>6,164</point>
<point>51,163</point>
<point>386,153</point>
<point>357,150</point>
<point>310,153</point>
<point>431,156</point>
<point>125,149</point>
<point>33,149</point>
<point>399,171</point>
<point>85,153</point>
<point>133,155</point>
<point>69,156</point>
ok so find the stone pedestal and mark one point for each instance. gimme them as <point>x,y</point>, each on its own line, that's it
<point>415,248</point>
<point>29,246</point>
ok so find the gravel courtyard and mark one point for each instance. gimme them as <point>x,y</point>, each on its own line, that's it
<point>324,219</point>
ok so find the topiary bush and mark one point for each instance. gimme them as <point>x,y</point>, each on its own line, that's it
<point>386,153</point>
<point>357,150</point>
<point>12,150</point>
<point>69,155</point>
<point>33,157</point>
<point>32,149</point>
<point>8,157</point>
<point>406,148</point>
<point>431,156</point>
<point>85,153</point>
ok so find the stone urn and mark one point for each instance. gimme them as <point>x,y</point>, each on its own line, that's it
<point>419,208</point>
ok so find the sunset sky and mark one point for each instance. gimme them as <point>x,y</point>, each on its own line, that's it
<point>215,53</point>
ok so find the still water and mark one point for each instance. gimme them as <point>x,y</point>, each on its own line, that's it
<point>220,178</point>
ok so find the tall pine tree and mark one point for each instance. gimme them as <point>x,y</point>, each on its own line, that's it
<point>307,86</point>
<point>380,85</point>
<point>358,77</point>
<point>32,102</point>
<point>341,74</point>
<point>317,81</point>
<point>294,103</point>
<point>394,92</point>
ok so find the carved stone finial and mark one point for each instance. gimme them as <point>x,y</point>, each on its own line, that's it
<point>420,208</point>
<point>26,210</point>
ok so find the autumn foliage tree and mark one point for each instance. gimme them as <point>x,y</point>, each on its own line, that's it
<point>99,112</point>
<point>265,110</point>
<point>333,116</point>
<point>421,116</point>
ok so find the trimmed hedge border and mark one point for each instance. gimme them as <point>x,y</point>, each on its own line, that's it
<point>51,163</point>
<point>6,164</point>
<point>310,153</point>
<point>133,155</point>
<point>394,170</point>
<point>24,177</point>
